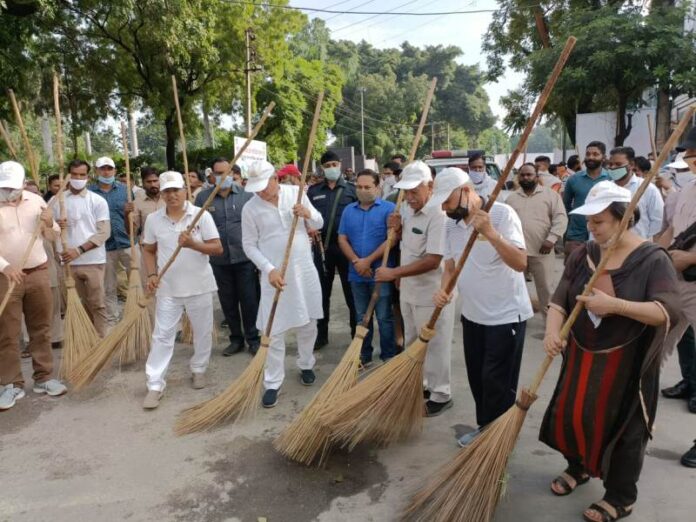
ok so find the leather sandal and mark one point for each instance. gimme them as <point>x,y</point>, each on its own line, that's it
<point>621,512</point>
<point>564,480</point>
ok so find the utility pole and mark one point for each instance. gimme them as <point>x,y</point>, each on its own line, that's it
<point>449,147</point>
<point>362,121</point>
<point>249,67</point>
<point>432,137</point>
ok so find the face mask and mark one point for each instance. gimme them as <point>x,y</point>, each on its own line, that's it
<point>477,177</point>
<point>225,184</point>
<point>366,197</point>
<point>332,173</point>
<point>460,212</point>
<point>78,184</point>
<point>617,174</point>
<point>592,164</point>
<point>107,181</point>
<point>10,195</point>
<point>528,185</point>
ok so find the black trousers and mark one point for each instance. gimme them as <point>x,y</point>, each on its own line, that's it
<point>335,262</point>
<point>493,356</point>
<point>238,287</point>
<point>687,359</point>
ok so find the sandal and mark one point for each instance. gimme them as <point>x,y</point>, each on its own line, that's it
<point>621,512</point>
<point>564,480</point>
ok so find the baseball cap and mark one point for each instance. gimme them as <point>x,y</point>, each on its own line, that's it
<point>104,161</point>
<point>289,170</point>
<point>601,196</point>
<point>171,180</point>
<point>259,172</point>
<point>679,162</point>
<point>689,142</point>
<point>413,175</point>
<point>446,181</point>
<point>11,175</point>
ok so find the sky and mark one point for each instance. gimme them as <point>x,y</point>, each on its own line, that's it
<point>466,31</point>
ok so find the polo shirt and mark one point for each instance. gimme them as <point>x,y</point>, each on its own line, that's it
<point>576,189</point>
<point>322,198</point>
<point>366,230</point>
<point>116,198</point>
<point>492,292</point>
<point>190,273</point>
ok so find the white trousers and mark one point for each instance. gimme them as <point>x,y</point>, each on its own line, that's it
<point>274,373</point>
<point>199,308</point>
<point>437,368</point>
<point>114,260</point>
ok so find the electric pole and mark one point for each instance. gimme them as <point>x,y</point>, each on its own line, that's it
<point>362,121</point>
<point>449,147</point>
<point>432,137</point>
<point>249,67</point>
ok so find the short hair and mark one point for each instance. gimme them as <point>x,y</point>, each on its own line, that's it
<point>528,164</point>
<point>574,162</point>
<point>219,159</point>
<point>147,171</point>
<point>545,159</point>
<point>398,156</point>
<point>553,169</point>
<point>199,175</point>
<point>30,183</point>
<point>78,163</point>
<point>393,166</point>
<point>642,163</point>
<point>52,178</point>
<point>597,145</point>
<point>371,173</point>
<point>477,156</point>
<point>237,169</point>
<point>626,151</point>
<point>329,155</point>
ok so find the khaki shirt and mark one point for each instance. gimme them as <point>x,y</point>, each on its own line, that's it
<point>422,233</point>
<point>144,206</point>
<point>542,214</point>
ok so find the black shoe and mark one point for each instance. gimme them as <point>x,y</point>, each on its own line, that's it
<point>689,458</point>
<point>307,377</point>
<point>678,391</point>
<point>692,404</point>
<point>234,347</point>
<point>365,363</point>
<point>270,398</point>
<point>426,394</point>
<point>320,343</point>
<point>254,347</point>
<point>433,409</point>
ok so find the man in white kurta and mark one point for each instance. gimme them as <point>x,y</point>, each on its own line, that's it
<point>188,285</point>
<point>266,222</point>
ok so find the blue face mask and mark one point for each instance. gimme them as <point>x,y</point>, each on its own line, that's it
<point>477,177</point>
<point>332,173</point>
<point>225,184</point>
<point>107,181</point>
<point>617,174</point>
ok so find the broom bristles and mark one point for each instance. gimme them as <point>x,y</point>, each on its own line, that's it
<point>136,345</point>
<point>385,407</point>
<point>468,488</point>
<point>306,440</point>
<point>237,401</point>
<point>79,335</point>
<point>187,331</point>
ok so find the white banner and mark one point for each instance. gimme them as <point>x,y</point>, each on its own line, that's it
<point>254,152</point>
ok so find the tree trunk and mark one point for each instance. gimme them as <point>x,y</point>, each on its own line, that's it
<point>47,138</point>
<point>133,124</point>
<point>662,118</point>
<point>172,135</point>
<point>209,142</point>
<point>624,123</point>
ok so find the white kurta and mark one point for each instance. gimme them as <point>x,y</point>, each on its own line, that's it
<point>265,231</point>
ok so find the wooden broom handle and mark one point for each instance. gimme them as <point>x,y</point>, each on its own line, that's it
<point>295,219</point>
<point>391,234</point>
<point>31,158</point>
<point>8,141</point>
<point>25,257</point>
<point>182,138</point>
<point>614,241</point>
<point>129,197</point>
<point>521,145</point>
<point>211,197</point>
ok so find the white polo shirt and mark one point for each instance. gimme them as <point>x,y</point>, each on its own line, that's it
<point>84,210</point>
<point>492,292</point>
<point>190,274</point>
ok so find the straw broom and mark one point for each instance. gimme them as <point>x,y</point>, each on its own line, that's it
<point>307,440</point>
<point>79,333</point>
<point>470,486</point>
<point>241,397</point>
<point>31,157</point>
<point>136,345</point>
<point>388,405</point>
<point>90,366</point>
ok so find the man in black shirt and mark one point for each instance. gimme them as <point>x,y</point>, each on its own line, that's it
<point>330,197</point>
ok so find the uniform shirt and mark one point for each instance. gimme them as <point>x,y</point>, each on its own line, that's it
<point>422,233</point>
<point>542,214</point>
<point>227,214</point>
<point>576,189</point>
<point>116,199</point>
<point>492,292</point>
<point>651,209</point>
<point>322,198</point>
<point>366,230</point>
<point>143,206</point>
<point>190,274</point>
<point>88,220</point>
<point>17,226</point>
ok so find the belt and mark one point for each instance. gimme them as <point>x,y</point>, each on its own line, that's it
<point>42,266</point>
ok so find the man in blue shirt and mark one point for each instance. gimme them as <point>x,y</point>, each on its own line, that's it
<point>576,189</point>
<point>118,252</point>
<point>362,238</point>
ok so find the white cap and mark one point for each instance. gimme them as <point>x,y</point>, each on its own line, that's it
<point>104,161</point>
<point>447,180</point>
<point>678,162</point>
<point>413,175</point>
<point>171,179</point>
<point>11,175</point>
<point>259,172</point>
<point>601,196</point>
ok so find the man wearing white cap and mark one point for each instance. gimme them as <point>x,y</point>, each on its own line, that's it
<point>266,221</point>
<point>187,286</point>
<point>118,244</point>
<point>20,213</point>
<point>420,274</point>
<point>495,302</point>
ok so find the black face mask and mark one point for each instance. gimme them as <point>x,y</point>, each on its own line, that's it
<point>460,212</point>
<point>593,164</point>
<point>528,185</point>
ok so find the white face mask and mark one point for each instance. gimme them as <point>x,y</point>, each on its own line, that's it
<point>78,184</point>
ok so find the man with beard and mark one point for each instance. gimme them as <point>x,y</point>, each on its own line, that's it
<point>576,189</point>
<point>543,167</point>
<point>544,221</point>
<point>145,202</point>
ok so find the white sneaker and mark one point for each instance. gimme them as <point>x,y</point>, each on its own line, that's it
<point>9,395</point>
<point>52,387</point>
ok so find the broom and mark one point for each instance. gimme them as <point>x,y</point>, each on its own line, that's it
<point>469,487</point>
<point>306,440</point>
<point>31,157</point>
<point>187,331</point>
<point>94,362</point>
<point>388,404</point>
<point>79,333</point>
<point>240,398</point>
<point>136,345</point>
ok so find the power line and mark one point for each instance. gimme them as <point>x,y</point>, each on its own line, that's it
<point>373,16</point>
<point>345,12</point>
<point>351,12</point>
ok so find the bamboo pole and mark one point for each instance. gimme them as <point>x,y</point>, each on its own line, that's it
<point>31,157</point>
<point>182,138</point>
<point>8,141</point>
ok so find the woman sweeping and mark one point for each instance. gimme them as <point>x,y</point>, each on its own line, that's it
<point>603,408</point>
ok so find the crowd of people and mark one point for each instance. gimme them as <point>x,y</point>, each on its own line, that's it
<point>603,408</point>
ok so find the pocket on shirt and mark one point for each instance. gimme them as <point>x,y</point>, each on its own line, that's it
<point>415,243</point>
